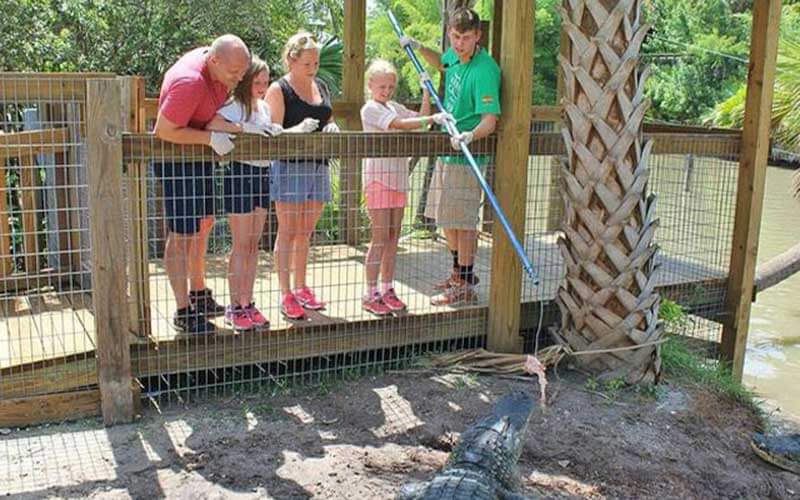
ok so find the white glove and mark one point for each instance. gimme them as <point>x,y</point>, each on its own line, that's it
<point>407,41</point>
<point>331,128</point>
<point>304,127</point>
<point>250,128</point>
<point>221,142</point>
<point>274,129</point>
<point>423,77</point>
<point>465,137</point>
<point>442,118</point>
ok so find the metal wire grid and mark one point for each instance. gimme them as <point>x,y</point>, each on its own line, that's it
<point>46,325</point>
<point>334,341</point>
<point>696,189</point>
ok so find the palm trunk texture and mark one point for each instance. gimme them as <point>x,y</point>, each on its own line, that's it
<point>608,300</point>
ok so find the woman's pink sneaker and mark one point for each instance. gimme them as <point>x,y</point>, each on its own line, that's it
<point>255,315</point>
<point>237,318</point>
<point>291,308</point>
<point>375,305</point>
<point>305,296</point>
<point>392,301</point>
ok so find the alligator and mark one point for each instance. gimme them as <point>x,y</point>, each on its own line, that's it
<point>781,451</point>
<point>483,466</point>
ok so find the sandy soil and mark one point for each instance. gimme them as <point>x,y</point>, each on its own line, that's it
<point>364,438</point>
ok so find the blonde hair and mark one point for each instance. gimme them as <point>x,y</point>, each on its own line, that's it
<point>297,43</point>
<point>380,67</point>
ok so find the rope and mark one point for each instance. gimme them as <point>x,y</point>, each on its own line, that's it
<point>569,351</point>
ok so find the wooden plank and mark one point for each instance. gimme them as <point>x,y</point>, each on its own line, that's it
<point>355,29</point>
<point>54,115</point>
<point>48,377</point>
<point>136,186</point>
<point>29,203</point>
<point>24,87</point>
<point>104,162</point>
<point>752,177</point>
<point>144,147</point>
<point>511,163</point>
<point>33,142</point>
<point>17,283</point>
<point>49,408</point>
<point>218,351</point>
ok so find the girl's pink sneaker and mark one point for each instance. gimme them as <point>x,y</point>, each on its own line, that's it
<point>393,302</point>
<point>291,308</point>
<point>237,318</point>
<point>255,315</point>
<point>305,296</point>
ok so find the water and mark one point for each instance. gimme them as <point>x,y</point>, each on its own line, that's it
<point>772,365</point>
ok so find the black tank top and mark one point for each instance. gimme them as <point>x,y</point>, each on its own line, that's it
<point>296,109</point>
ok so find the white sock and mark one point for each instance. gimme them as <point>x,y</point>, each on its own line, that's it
<point>386,286</point>
<point>372,291</point>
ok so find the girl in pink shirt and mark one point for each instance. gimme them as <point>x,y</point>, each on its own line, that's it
<point>386,185</point>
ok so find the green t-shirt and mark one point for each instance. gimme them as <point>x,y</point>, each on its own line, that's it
<point>470,90</point>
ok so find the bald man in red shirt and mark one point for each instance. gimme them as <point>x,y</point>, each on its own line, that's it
<point>194,88</point>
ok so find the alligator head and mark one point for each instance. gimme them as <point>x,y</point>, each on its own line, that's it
<point>484,463</point>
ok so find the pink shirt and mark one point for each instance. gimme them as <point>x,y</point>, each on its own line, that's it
<point>189,97</point>
<point>391,172</point>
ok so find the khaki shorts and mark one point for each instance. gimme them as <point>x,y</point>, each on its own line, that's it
<point>454,198</point>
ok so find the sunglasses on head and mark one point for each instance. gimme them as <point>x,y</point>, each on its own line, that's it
<point>306,40</point>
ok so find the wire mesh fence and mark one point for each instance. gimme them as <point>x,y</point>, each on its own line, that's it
<point>295,210</point>
<point>285,216</point>
<point>694,177</point>
<point>46,326</point>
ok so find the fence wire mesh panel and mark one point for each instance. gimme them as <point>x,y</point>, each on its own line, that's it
<point>695,178</point>
<point>286,246</point>
<point>47,336</point>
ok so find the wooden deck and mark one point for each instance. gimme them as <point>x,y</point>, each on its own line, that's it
<point>52,331</point>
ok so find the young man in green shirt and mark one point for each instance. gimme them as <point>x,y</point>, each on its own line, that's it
<point>472,98</point>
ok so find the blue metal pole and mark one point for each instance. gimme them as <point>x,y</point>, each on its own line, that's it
<point>476,171</point>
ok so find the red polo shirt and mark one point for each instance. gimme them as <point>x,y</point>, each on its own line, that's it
<point>189,97</point>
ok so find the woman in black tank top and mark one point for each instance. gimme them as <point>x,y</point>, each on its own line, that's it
<point>299,186</point>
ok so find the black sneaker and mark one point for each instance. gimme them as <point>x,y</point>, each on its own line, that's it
<point>192,322</point>
<point>204,303</point>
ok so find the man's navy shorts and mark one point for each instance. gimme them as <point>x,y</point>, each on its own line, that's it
<point>188,193</point>
<point>246,187</point>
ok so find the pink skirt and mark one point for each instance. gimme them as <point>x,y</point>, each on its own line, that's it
<point>379,196</point>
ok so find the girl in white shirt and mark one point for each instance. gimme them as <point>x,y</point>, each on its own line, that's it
<point>246,187</point>
<point>386,185</point>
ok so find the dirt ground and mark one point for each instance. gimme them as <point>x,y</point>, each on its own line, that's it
<point>364,438</point>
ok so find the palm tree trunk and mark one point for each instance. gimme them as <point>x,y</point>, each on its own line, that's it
<point>608,300</point>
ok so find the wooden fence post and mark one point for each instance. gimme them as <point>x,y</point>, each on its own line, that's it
<point>355,28</point>
<point>109,280</point>
<point>132,91</point>
<point>752,176</point>
<point>511,181</point>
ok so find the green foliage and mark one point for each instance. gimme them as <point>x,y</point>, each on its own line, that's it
<point>681,363</point>
<point>673,315</point>
<point>420,19</point>
<point>144,37</point>
<point>697,52</point>
<point>330,64</point>
<point>546,49</point>
<point>786,100</point>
